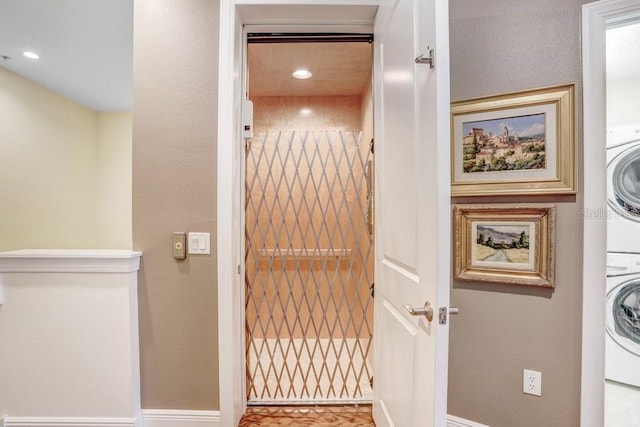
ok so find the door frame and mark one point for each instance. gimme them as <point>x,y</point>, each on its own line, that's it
<point>328,16</point>
<point>595,17</point>
<point>230,259</point>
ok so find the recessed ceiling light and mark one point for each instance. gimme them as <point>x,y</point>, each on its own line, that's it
<point>302,74</point>
<point>31,55</point>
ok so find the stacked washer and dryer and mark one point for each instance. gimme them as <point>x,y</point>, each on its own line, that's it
<point>623,255</point>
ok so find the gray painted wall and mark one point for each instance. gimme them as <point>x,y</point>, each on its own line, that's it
<point>497,46</point>
<point>174,189</point>
<point>500,46</point>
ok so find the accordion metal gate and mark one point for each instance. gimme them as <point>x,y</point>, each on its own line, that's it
<point>309,268</point>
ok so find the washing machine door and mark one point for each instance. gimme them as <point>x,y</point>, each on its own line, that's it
<point>623,182</point>
<point>623,315</point>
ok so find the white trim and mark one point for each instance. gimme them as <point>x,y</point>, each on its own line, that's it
<point>180,418</point>
<point>594,20</point>
<point>230,314</point>
<point>69,261</point>
<point>443,212</point>
<point>229,327</point>
<point>167,418</point>
<point>453,421</point>
<point>70,422</point>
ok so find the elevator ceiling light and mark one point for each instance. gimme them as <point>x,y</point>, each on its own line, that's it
<point>302,74</point>
<point>31,55</point>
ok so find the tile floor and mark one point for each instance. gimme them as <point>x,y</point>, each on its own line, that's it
<point>622,409</point>
<point>322,416</point>
<point>622,405</point>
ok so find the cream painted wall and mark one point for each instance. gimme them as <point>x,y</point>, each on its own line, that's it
<point>623,102</point>
<point>114,135</point>
<point>61,163</point>
<point>47,168</point>
<point>500,46</point>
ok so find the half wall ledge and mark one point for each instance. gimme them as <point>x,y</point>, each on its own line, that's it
<point>70,261</point>
<point>69,338</point>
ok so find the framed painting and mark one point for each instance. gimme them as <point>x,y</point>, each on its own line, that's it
<point>505,243</point>
<point>514,144</point>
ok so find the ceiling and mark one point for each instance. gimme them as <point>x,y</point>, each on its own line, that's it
<point>86,49</point>
<point>338,68</point>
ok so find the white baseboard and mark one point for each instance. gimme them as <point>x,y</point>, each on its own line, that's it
<point>180,418</point>
<point>69,422</point>
<point>453,421</point>
<point>157,418</point>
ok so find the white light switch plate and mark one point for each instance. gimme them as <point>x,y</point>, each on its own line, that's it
<point>199,243</point>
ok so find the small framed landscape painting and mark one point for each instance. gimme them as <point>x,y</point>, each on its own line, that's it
<point>513,144</point>
<point>506,243</point>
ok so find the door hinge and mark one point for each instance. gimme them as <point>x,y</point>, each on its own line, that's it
<point>428,60</point>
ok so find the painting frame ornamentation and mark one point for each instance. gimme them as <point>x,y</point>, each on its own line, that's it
<point>505,243</point>
<point>487,163</point>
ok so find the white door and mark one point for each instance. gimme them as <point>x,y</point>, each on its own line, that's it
<point>413,213</point>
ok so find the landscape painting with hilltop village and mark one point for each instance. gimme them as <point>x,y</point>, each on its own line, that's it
<point>504,144</point>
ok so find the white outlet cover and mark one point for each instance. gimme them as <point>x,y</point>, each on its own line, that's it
<point>532,382</point>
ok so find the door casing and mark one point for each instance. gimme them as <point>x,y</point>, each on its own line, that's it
<point>294,16</point>
<point>229,256</point>
<point>595,17</point>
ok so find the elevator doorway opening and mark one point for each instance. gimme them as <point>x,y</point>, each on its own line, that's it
<point>309,241</point>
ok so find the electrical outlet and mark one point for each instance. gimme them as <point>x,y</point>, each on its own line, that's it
<point>532,382</point>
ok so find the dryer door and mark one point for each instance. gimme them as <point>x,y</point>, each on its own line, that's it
<point>623,315</point>
<point>623,182</point>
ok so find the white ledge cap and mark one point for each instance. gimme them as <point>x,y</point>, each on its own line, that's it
<point>70,261</point>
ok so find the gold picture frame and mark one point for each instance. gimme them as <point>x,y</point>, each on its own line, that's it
<point>505,243</point>
<point>515,144</point>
